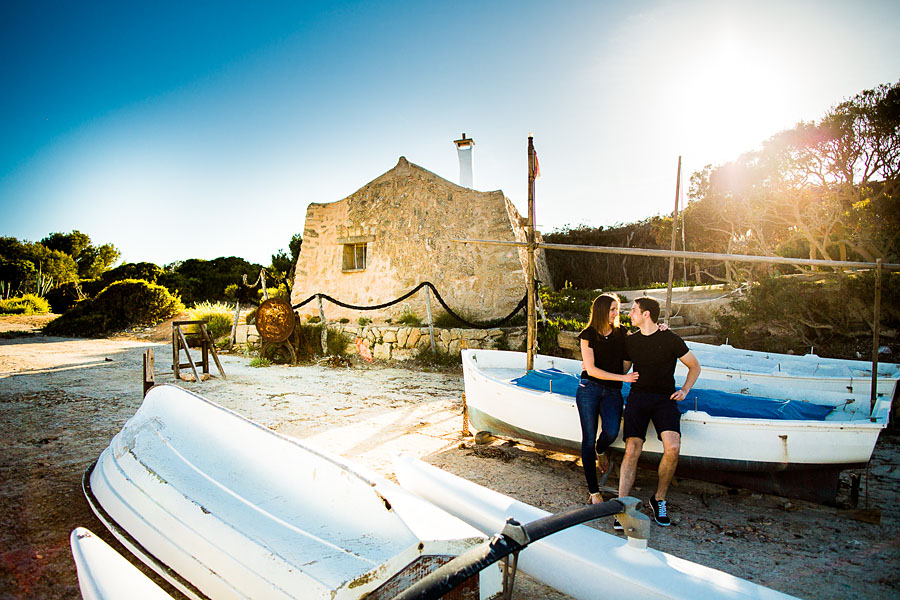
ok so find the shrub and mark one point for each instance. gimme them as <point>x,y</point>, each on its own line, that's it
<point>834,316</point>
<point>409,318</point>
<point>363,321</point>
<point>28,304</point>
<point>426,359</point>
<point>219,317</point>
<point>121,305</point>
<point>309,342</point>
<point>502,343</point>
<point>260,361</point>
<point>547,337</point>
<point>445,320</point>
<point>63,297</point>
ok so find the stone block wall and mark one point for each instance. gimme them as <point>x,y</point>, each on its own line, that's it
<point>398,342</point>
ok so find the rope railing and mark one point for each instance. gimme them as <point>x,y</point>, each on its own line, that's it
<point>246,295</point>
<point>443,303</point>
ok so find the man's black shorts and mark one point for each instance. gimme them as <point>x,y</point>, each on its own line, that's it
<point>643,407</point>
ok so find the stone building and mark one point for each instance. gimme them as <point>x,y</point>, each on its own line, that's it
<point>397,231</point>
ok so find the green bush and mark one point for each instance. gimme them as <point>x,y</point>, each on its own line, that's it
<point>547,337</point>
<point>260,361</point>
<point>219,317</point>
<point>28,304</point>
<point>833,316</point>
<point>123,304</point>
<point>363,321</point>
<point>63,297</point>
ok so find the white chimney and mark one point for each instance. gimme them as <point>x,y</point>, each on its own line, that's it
<point>464,149</point>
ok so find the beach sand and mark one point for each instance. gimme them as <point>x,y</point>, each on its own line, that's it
<point>62,400</point>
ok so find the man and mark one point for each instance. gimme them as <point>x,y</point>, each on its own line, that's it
<point>653,397</point>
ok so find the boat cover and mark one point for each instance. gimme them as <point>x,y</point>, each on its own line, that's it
<point>712,402</point>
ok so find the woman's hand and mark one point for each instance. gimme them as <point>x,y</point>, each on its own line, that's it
<point>630,377</point>
<point>663,326</point>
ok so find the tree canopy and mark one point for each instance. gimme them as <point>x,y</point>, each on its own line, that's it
<point>826,189</point>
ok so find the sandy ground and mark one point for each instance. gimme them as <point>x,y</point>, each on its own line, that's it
<point>62,400</point>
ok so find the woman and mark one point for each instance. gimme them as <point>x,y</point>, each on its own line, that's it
<point>599,394</point>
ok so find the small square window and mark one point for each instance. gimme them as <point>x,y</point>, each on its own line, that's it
<point>354,257</point>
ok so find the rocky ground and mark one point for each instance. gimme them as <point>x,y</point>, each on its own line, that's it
<point>61,400</point>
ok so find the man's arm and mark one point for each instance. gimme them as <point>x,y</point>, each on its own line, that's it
<point>693,365</point>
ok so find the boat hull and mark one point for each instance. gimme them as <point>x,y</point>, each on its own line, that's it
<point>772,455</point>
<point>224,508</point>
<point>580,560</point>
<point>104,574</point>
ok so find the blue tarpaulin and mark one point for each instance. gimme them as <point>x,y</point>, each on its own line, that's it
<point>712,402</point>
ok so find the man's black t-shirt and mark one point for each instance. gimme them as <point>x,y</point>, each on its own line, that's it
<point>654,357</point>
<point>609,352</point>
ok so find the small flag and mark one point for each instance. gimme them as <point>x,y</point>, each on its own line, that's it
<point>537,167</point>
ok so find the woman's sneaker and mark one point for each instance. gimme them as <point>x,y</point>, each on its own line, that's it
<point>660,511</point>
<point>617,526</point>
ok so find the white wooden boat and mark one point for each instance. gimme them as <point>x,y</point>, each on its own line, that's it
<point>807,372</point>
<point>225,508</point>
<point>774,455</point>
<point>581,561</point>
<point>104,574</point>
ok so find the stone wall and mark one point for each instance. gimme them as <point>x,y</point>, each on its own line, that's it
<point>393,342</point>
<point>408,219</point>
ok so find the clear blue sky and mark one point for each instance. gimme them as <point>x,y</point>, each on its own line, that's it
<point>202,129</point>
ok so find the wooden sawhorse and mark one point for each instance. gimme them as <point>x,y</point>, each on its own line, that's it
<point>206,347</point>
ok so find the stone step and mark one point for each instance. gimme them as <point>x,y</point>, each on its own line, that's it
<point>675,321</point>
<point>706,338</point>
<point>689,330</point>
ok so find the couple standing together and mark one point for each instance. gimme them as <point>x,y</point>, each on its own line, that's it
<point>608,353</point>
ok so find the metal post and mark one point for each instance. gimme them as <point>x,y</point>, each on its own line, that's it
<point>672,248</point>
<point>324,326</point>
<point>532,317</point>
<point>430,320</point>
<point>875,336</point>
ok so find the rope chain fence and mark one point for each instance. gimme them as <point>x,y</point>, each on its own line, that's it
<point>245,295</point>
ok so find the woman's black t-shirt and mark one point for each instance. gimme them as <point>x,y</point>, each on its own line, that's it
<point>609,352</point>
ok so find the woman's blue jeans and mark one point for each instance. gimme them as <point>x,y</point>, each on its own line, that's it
<point>596,401</point>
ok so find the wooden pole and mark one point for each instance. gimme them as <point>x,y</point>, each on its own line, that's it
<point>262,279</point>
<point>148,371</point>
<point>876,332</point>
<point>774,260</point>
<point>532,317</point>
<point>232,339</point>
<point>672,248</point>
<point>430,320</point>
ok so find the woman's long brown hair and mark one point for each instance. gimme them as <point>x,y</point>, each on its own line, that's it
<point>600,312</point>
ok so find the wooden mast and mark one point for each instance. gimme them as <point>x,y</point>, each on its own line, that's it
<point>531,314</point>
<point>672,249</point>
